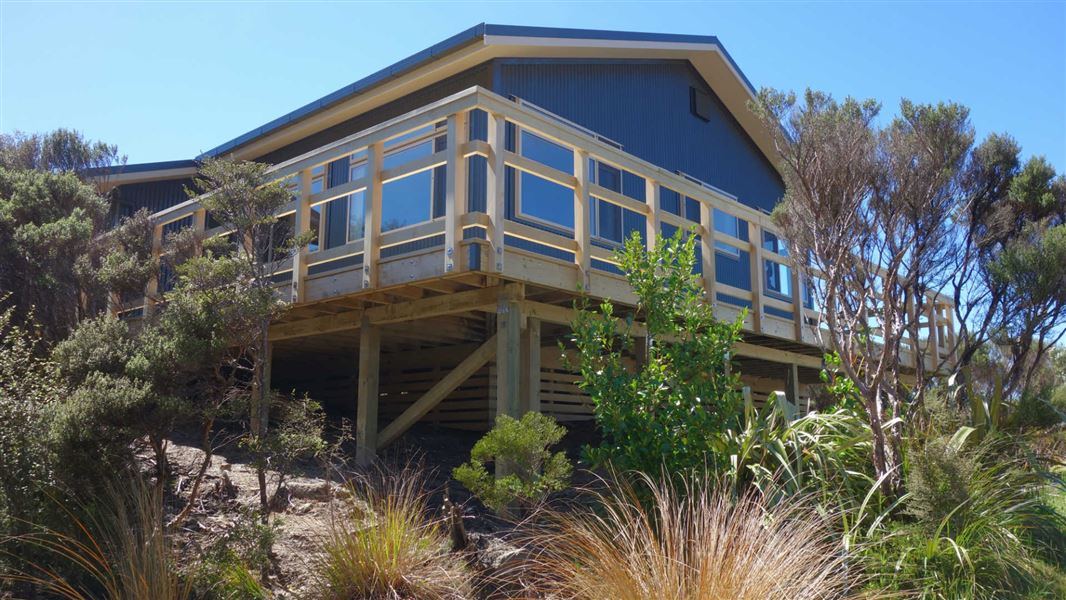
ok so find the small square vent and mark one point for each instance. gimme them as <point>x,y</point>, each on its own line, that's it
<point>701,104</point>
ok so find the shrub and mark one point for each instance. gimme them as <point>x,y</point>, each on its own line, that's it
<point>226,566</point>
<point>392,549</point>
<point>531,470</point>
<point>28,389</point>
<point>819,453</point>
<point>973,511</point>
<point>687,544</point>
<point>664,414</point>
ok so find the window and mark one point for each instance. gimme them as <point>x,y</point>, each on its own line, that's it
<point>318,179</point>
<point>774,244</point>
<point>547,153</point>
<point>778,278</point>
<point>408,200</point>
<point>701,104</point>
<point>546,200</point>
<point>670,201</point>
<point>692,209</point>
<point>356,215</point>
<point>729,225</point>
<point>607,221</point>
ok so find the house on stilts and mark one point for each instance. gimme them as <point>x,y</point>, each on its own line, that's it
<point>463,196</point>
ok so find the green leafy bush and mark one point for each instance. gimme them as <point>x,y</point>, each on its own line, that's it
<point>226,569</point>
<point>666,413</point>
<point>531,470</point>
<point>972,513</point>
<point>823,453</point>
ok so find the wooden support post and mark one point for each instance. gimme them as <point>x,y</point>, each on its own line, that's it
<point>455,191</point>
<point>792,384</point>
<point>755,239</point>
<point>710,276</point>
<point>496,187</point>
<point>530,392</point>
<point>653,225</point>
<point>372,216</point>
<point>302,220</point>
<point>366,420</point>
<point>582,229</point>
<point>152,291</point>
<point>508,352</point>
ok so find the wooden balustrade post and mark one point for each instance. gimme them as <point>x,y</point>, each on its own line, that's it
<point>797,298</point>
<point>934,332</point>
<point>755,240</point>
<point>495,189</point>
<point>302,220</point>
<point>710,267</point>
<point>372,215</point>
<point>653,227</point>
<point>582,229</point>
<point>455,190</point>
<point>152,290</point>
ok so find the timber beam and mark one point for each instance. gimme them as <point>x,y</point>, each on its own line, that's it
<point>565,316</point>
<point>483,300</point>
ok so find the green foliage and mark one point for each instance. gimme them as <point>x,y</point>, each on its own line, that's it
<point>28,389</point>
<point>821,453</point>
<point>521,447</point>
<point>56,151</point>
<point>666,413</point>
<point>47,222</point>
<point>297,435</point>
<point>111,406</point>
<point>972,513</point>
<point>226,567</point>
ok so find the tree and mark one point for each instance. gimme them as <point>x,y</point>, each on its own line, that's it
<point>665,413</point>
<point>54,258</point>
<point>882,217</point>
<point>869,211</point>
<point>238,279</point>
<point>1009,287</point>
<point>59,151</point>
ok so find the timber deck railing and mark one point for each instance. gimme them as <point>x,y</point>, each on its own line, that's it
<point>484,150</point>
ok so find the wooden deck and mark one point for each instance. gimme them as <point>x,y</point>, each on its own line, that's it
<point>456,319</point>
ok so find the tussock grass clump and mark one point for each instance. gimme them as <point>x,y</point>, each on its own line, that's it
<point>391,548</point>
<point>688,543</point>
<point>113,548</point>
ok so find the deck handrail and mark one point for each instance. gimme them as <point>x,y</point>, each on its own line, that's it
<point>585,144</point>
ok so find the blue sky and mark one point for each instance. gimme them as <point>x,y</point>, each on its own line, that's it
<point>167,80</point>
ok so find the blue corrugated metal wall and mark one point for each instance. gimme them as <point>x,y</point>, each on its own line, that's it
<point>646,106</point>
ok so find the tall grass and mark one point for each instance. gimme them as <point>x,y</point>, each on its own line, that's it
<point>689,543</point>
<point>390,548</point>
<point>113,548</point>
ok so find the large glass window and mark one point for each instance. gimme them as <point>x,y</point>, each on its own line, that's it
<point>318,179</point>
<point>774,244</point>
<point>547,152</point>
<point>407,201</point>
<point>546,200</point>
